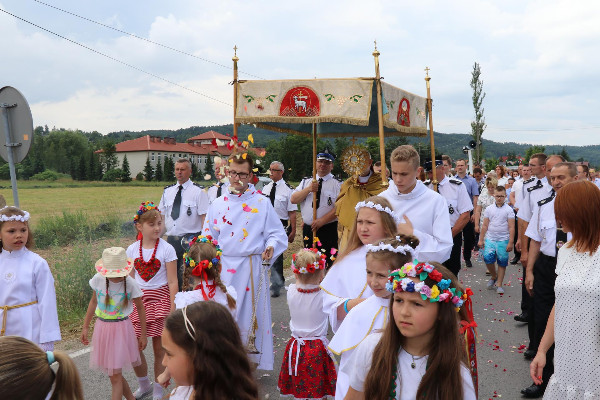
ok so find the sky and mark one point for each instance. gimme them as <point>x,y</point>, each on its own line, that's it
<point>539,59</point>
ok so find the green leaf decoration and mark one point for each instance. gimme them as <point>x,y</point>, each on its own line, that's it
<point>329,96</point>
<point>271,97</point>
<point>356,98</point>
<point>249,98</point>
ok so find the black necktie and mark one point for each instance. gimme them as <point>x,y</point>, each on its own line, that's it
<point>176,204</point>
<point>272,194</point>
<point>319,192</point>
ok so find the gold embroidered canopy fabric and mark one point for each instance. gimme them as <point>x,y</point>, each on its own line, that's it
<point>339,107</point>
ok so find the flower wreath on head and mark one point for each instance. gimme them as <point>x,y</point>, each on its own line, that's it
<point>399,281</point>
<point>310,268</point>
<point>199,268</point>
<point>403,249</point>
<point>146,206</point>
<point>378,207</point>
<point>19,218</point>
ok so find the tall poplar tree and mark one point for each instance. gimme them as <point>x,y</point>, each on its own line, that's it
<point>478,125</point>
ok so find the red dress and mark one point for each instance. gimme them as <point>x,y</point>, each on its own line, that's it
<point>308,370</point>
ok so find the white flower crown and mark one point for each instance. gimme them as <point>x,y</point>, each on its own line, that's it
<point>378,207</point>
<point>20,218</point>
<point>403,249</point>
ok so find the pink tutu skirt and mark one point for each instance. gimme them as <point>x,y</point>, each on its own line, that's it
<point>114,347</point>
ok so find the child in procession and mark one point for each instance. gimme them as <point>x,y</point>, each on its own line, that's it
<point>27,295</point>
<point>371,314</point>
<point>498,231</point>
<point>114,343</point>
<point>155,271</point>
<point>307,370</point>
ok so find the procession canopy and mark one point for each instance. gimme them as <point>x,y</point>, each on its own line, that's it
<point>339,107</point>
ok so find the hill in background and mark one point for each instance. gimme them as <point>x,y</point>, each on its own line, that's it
<point>446,143</point>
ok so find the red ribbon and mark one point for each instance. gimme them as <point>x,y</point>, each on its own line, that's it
<point>200,271</point>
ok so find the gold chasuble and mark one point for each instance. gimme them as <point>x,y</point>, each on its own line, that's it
<point>351,193</point>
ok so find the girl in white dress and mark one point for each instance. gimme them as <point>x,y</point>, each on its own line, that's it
<point>345,285</point>
<point>574,322</point>
<point>203,271</point>
<point>115,346</point>
<point>205,355</point>
<point>27,296</point>
<point>371,314</point>
<point>307,369</point>
<point>420,354</point>
<point>26,372</point>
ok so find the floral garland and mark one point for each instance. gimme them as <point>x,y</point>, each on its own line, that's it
<point>399,281</point>
<point>378,207</point>
<point>146,206</point>
<point>202,265</point>
<point>310,268</point>
<point>19,218</point>
<point>403,249</point>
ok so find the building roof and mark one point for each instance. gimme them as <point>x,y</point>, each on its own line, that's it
<point>210,135</point>
<point>157,144</point>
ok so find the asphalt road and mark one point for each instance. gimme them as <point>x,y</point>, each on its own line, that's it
<point>502,369</point>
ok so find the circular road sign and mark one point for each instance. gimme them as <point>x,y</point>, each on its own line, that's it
<point>20,124</point>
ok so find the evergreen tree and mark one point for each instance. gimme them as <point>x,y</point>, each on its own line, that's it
<point>109,155</point>
<point>126,173</point>
<point>82,173</point>
<point>477,126</point>
<point>73,170</point>
<point>93,167</point>
<point>565,155</point>
<point>169,169</point>
<point>209,168</point>
<point>148,170</point>
<point>158,175</point>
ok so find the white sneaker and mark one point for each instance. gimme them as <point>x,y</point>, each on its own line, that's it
<point>139,395</point>
<point>491,283</point>
<point>499,290</point>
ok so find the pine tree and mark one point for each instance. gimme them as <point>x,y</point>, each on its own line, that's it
<point>126,173</point>
<point>158,175</point>
<point>169,169</point>
<point>83,173</point>
<point>209,168</point>
<point>148,170</point>
<point>477,126</point>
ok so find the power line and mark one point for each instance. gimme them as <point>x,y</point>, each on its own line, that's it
<point>144,39</point>
<point>117,60</point>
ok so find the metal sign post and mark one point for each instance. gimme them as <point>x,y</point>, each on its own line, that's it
<point>17,131</point>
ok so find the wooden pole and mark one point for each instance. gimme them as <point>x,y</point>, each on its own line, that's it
<point>384,180</point>
<point>235,89</point>
<point>429,109</point>
<point>314,207</point>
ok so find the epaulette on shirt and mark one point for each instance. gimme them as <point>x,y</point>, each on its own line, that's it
<point>537,186</point>
<point>427,182</point>
<point>529,181</point>
<point>455,181</point>
<point>168,186</point>
<point>307,177</point>
<point>544,201</point>
<point>338,179</point>
<point>288,185</point>
<point>199,185</point>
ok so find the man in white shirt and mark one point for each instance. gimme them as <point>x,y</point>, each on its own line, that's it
<point>425,212</point>
<point>326,188</point>
<point>515,198</point>
<point>279,193</point>
<point>216,190</point>
<point>183,207</point>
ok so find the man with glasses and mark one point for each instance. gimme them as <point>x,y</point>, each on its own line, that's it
<point>183,206</point>
<point>279,192</point>
<point>326,189</point>
<point>249,233</point>
<point>473,192</point>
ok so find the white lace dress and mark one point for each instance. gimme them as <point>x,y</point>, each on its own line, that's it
<point>576,327</point>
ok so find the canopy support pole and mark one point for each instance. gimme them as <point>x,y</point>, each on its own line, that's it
<point>384,180</point>
<point>314,205</point>
<point>432,145</point>
<point>235,89</point>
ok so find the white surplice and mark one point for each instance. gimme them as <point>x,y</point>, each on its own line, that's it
<point>346,279</point>
<point>26,277</point>
<point>367,317</point>
<point>245,225</point>
<point>428,213</point>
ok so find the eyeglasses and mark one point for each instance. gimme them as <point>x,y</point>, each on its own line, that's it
<point>241,175</point>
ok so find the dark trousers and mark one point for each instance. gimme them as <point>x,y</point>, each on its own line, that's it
<point>175,241</point>
<point>277,279</point>
<point>328,236</point>
<point>453,263</point>
<point>516,237</point>
<point>468,234</point>
<point>543,301</point>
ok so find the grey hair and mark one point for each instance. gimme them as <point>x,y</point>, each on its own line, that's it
<point>279,165</point>
<point>184,160</point>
